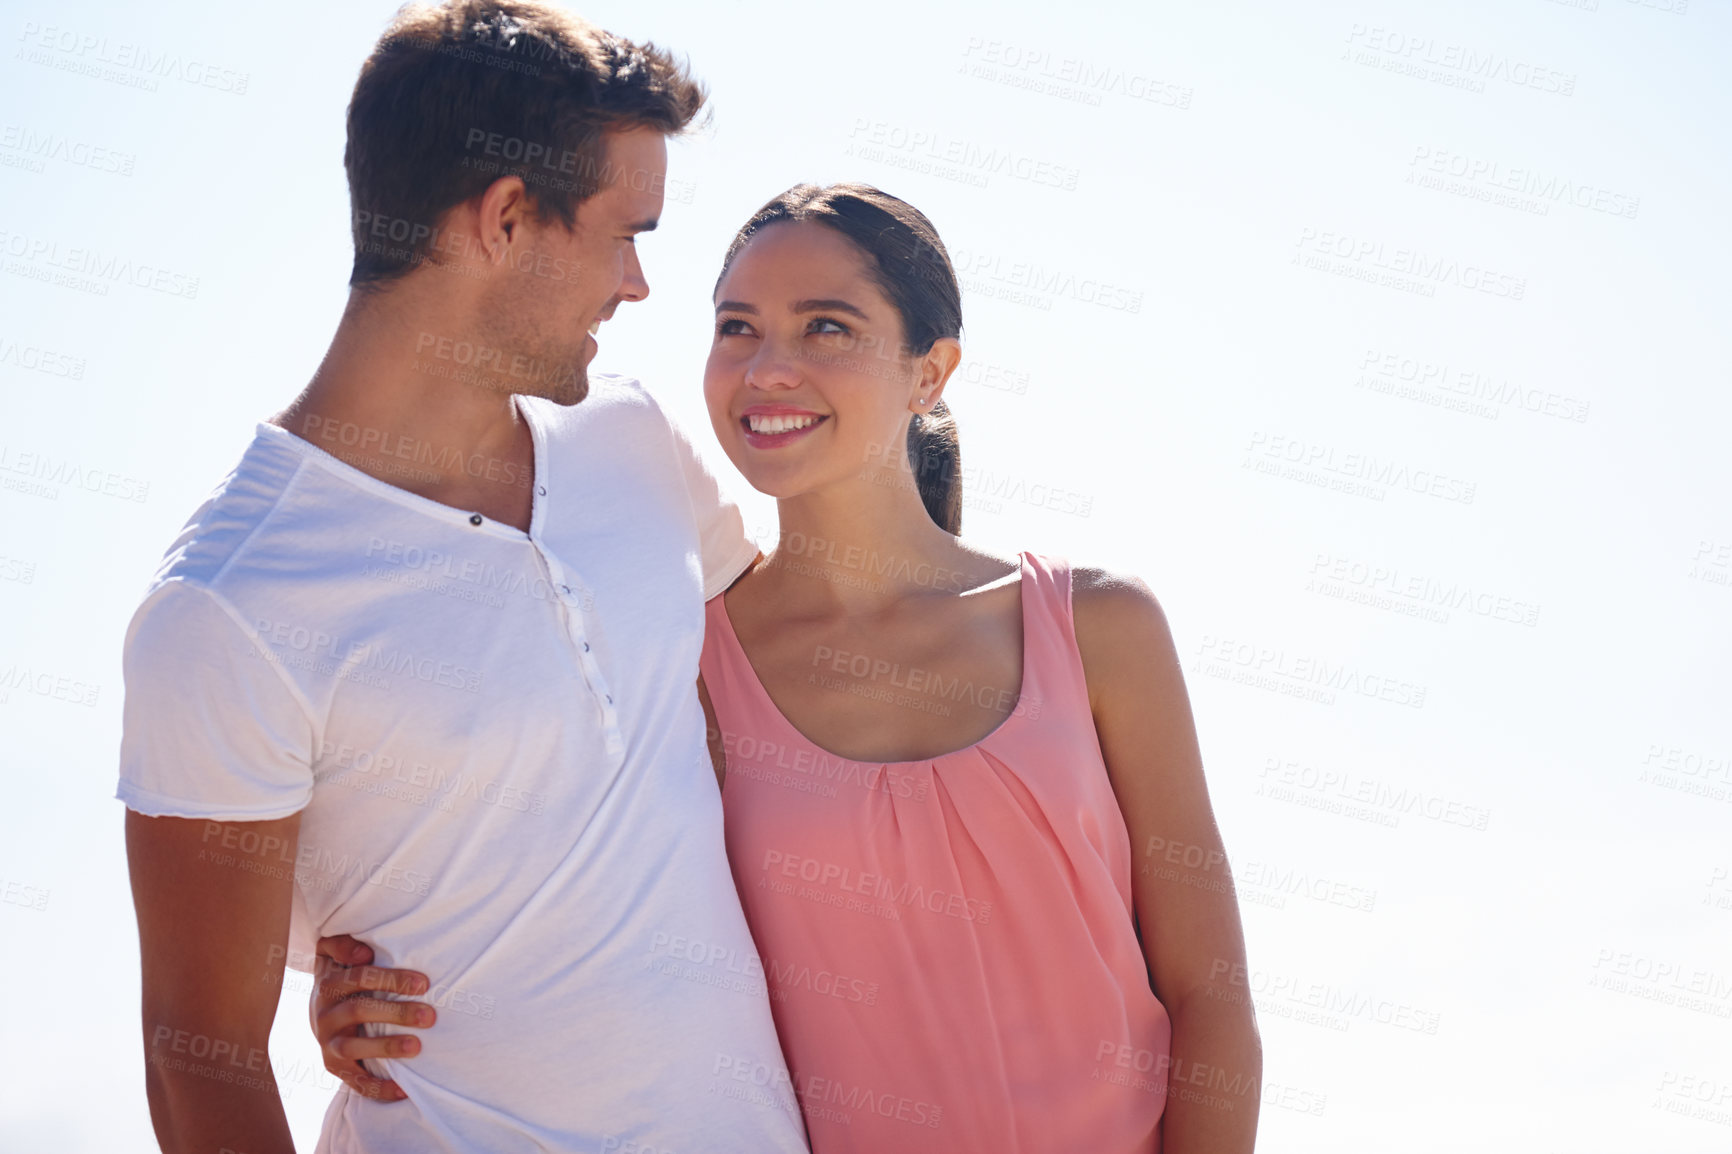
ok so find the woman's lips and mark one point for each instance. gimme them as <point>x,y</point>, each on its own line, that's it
<point>775,429</point>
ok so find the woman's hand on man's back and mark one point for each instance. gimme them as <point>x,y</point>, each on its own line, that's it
<point>341,1006</point>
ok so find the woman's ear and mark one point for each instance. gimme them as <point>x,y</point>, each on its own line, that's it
<point>935,369</point>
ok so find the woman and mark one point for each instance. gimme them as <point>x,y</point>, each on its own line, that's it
<point>965,807</point>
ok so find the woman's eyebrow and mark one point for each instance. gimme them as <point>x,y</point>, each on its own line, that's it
<point>828,305</point>
<point>813,305</point>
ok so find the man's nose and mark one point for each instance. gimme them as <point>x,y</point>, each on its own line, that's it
<point>635,287</point>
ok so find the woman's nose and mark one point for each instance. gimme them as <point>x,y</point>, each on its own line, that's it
<point>773,367</point>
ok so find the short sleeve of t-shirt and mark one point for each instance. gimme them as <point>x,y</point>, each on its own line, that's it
<point>727,550</point>
<point>211,727</point>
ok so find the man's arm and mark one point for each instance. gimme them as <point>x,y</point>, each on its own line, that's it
<point>726,549</point>
<point>212,900</point>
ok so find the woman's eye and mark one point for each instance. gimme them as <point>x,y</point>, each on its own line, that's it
<point>732,327</point>
<point>835,326</point>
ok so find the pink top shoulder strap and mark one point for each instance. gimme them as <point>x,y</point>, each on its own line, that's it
<point>1051,659</point>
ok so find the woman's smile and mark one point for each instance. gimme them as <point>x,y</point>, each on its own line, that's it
<point>773,426</point>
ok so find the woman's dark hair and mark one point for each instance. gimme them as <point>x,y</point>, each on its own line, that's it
<point>911,267</point>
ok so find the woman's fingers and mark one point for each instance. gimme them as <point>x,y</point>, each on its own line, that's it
<point>343,1056</point>
<point>351,1012</point>
<point>379,1089</point>
<point>340,1008</point>
<point>344,1047</point>
<point>346,950</point>
<point>338,982</point>
<point>349,1048</point>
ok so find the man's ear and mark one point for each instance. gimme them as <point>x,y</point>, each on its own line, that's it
<point>502,208</point>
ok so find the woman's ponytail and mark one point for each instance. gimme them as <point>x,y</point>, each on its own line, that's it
<point>935,456</point>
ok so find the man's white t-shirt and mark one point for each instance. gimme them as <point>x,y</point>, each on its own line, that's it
<point>496,746</point>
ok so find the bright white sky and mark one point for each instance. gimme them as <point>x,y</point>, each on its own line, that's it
<point>1529,863</point>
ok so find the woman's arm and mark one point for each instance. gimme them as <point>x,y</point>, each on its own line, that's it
<point>1187,913</point>
<point>713,735</point>
<point>712,730</point>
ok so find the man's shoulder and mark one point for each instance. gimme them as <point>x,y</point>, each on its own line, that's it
<point>232,514</point>
<point>613,404</point>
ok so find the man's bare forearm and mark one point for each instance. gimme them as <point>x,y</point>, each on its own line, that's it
<point>212,1104</point>
<point>212,900</point>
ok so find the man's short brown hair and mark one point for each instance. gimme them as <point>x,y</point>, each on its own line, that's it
<point>459,94</point>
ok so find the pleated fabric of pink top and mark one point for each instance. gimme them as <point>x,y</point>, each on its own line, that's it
<point>948,943</point>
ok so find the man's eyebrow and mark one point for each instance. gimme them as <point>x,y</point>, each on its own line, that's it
<point>642,226</point>
<point>828,305</point>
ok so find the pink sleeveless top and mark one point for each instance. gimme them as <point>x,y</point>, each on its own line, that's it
<point>948,942</point>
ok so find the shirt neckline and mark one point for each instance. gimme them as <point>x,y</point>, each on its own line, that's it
<point>438,509</point>
<point>757,684</point>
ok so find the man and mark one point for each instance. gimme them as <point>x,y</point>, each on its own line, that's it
<point>422,668</point>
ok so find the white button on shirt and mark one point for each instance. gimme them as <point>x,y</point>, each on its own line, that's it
<point>494,741</point>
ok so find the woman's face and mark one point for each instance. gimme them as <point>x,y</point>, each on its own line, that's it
<point>807,382</point>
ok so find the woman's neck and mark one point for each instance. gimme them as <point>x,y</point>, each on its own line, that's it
<point>860,552</point>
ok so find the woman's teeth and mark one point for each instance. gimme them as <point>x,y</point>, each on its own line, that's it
<point>594,327</point>
<point>779,422</point>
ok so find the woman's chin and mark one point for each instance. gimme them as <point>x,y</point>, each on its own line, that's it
<point>778,483</point>
<point>779,488</point>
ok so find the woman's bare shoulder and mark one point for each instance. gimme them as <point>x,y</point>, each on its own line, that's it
<point>1119,622</point>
